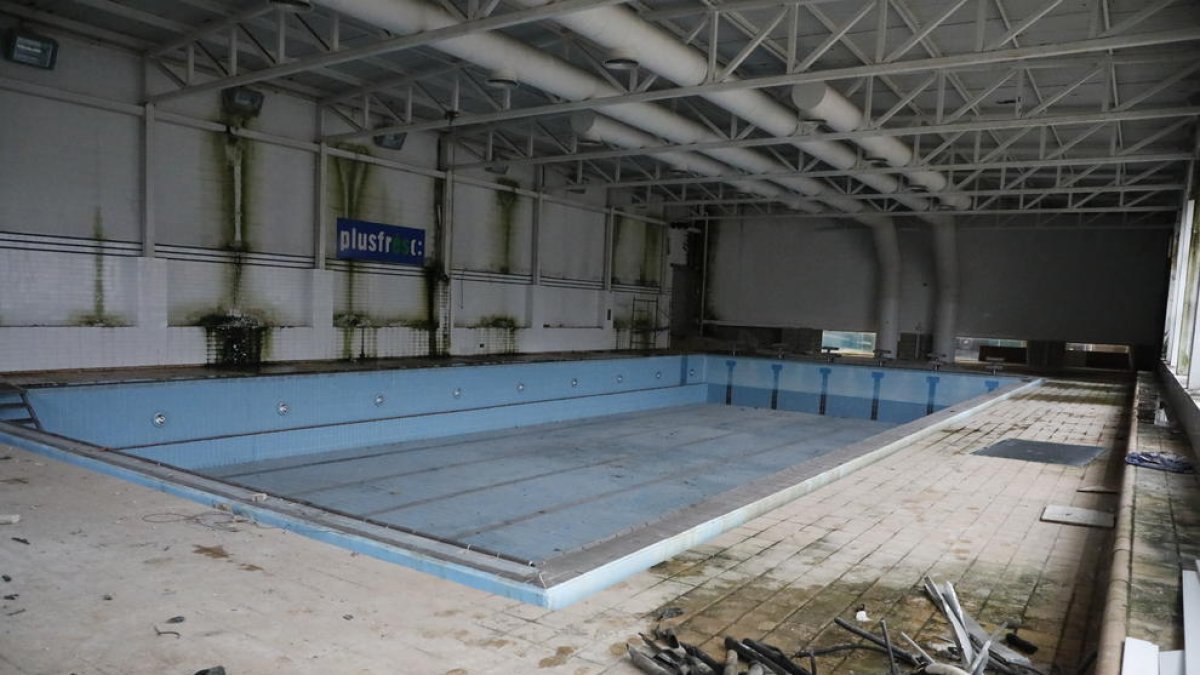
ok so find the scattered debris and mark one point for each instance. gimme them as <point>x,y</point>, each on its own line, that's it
<point>106,596</point>
<point>1020,644</point>
<point>215,670</point>
<point>668,613</point>
<point>1139,658</point>
<point>258,497</point>
<point>21,540</point>
<point>176,619</point>
<point>1162,461</point>
<point>12,596</point>
<point>19,611</point>
<point>968,634</point>
<point>1171,663</point>
<point>1100,489</point>
<point>1072,515</point>
<point>10,519</point>
<point>974,650</point>
<point>348,617</point>
<point>161,633</point>
<point>5,578</point>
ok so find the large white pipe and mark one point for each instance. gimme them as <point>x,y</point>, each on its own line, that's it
<point>945,319</point>
<point>545,72</point>
<point>590,126</point>
<point>550,74</point>
<point>887,253</point>
<point>621,30</point>
<point>823,102</point>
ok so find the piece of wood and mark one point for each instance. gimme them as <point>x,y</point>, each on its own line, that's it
<point>1140,658</point>
<point>1073,515</point>
<point>1170,663</point>
<point>1191,622</point>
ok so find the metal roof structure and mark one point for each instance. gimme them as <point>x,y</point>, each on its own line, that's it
<point>1079,111</point>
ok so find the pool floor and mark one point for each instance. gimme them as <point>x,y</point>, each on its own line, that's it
<point>539,492</point>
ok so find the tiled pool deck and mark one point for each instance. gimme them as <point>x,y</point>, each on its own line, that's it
<point>264,600</point>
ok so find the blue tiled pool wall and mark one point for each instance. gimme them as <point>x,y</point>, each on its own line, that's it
<point>883,394</point>
<point>125,415</point>
<point>195,424</point>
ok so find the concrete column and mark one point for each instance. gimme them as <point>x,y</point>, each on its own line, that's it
<point>945,256</point>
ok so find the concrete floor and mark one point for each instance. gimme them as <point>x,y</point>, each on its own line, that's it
<point>263,600</point>
<point>1166,537</point>
<point>538,492</point>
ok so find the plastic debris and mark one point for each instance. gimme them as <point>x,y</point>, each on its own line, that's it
<point>861,616</point>
<point>1162,461</point>
<point>21,540</point>
<point>215,670</point>
<point>10,519</point>
<point>176,619</point>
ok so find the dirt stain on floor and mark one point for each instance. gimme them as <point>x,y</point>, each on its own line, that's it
<point>559,658</point>
<point>217,552</point>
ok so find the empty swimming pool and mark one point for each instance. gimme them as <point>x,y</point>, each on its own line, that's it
<point>542,481</point>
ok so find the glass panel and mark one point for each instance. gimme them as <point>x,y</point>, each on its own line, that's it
<point>849,342</point>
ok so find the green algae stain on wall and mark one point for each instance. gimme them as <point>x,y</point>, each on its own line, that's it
<point>507,202</point>
<point>237,334</point>
<point>652,250</point>
<point>349,197</point>
<point>99,316</point>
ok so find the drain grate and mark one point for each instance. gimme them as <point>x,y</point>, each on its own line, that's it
<point>1039,451</point>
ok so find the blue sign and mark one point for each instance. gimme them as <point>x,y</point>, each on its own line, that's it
<point>362,240</point>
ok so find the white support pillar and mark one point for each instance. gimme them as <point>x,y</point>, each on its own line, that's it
<point>148,141</point>
<point>151,271</point>
<point>320,203</point>
<point>606,305</point>
<point>534,310</point>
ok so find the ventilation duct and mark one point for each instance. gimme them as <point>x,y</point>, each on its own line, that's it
<point>592,127</point>
<point>945,259</point>
<point>654,52</point>
<point>887,254</point>
<point>819,101</point>
<point>620,30</point>
<point>543,71</point>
